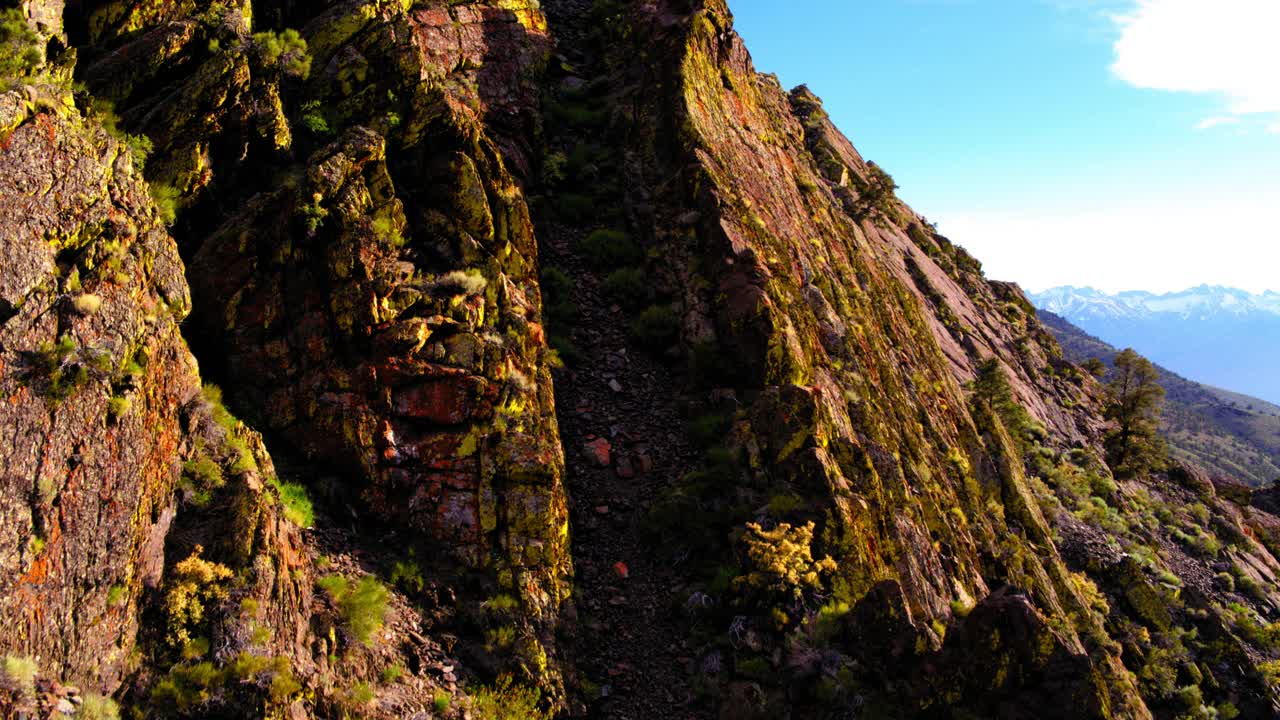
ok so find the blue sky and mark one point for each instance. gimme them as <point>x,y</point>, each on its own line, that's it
<point>1123,144</point>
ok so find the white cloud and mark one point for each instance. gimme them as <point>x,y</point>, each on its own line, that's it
<point>1274,129</point>
<point>1162,247</point>
<point>1222,47</point>
<point>1216,121</point>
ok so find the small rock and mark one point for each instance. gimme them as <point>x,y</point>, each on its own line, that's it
<point>617,601</point>
<point>602,509</point>
<point>620,569</point>
<point>65,707</point>
<point>597,451</point>
<point>624,469</point>
<point>645,462</point>
<point>615,386</point>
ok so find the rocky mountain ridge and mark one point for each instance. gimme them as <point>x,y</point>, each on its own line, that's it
<point>601,377</point>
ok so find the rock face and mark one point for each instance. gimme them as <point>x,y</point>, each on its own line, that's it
<point>95,376</point>
<point>891,499</point>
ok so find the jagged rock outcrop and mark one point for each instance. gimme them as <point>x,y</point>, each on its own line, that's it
<point>363,261</point>
<point>103,403</point>
<point>95,376</point>
<point>803,276</point>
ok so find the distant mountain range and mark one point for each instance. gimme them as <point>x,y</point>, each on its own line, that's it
<point>1216,335</point>
<point>1229,433</point>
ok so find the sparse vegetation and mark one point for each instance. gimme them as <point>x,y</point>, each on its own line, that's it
<point>441,701</point>
<point>468,283</point>
<point>18,673</point>
<point>20,54</point>
<point>629,287</point>
<point>779,564</point>
<point>286,51</point>
<point>506,700</point>
<point>313,119</point>
<point>607,249</point>
<point>361,606</point>
<point>166,199</point>
<point>201,475</point>
<point>297,502</point>
<point>97,707</point>
<point>195,585</point>
<point>657,328</point>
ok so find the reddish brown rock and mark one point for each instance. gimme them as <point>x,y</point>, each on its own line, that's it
<point>598,452</point>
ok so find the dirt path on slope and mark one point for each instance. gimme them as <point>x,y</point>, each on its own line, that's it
<point>630,640</point>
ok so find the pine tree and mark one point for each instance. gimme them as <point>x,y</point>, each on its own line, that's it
<point>1134,402</point>
<point>992,387</point>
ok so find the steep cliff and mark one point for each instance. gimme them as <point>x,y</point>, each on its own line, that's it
<point>622,384</point>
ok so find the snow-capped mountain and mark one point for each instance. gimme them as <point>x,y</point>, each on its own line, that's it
<point>1201,302</point>
<point>1212,334</point>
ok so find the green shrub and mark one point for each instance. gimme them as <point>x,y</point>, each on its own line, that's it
<point>186,686</point>
<point>313,119</point>
<point>362,607</point>
<point>297,502</point>
<point>461,282</point>
<point>407,574</point>
<point>96,707</point>
<point>195,648</point>
<point>115,594</point>
<point>827,622</point>
<point>657,328</point>
<point>499,638</point>
<point>500,604</point>
<point>19,45</point>
<point>440,701</point>
<point>392,673</point>
<point>565,349</point>
<point>608,249</point>
<point>783,504</point>
<point>386,231</point>
<point>284,686</point>
<point>574,208</point>
<point>553,166</point>
<point>118,407</point>
<point>18,673</point>
<point>629,287</point>
<point>194,585</point>
<point>1225,582</point>
<point>576,114</point>
<point>53,361</point>
<point>285,51</point>
<point>557,296</point>
<point>780,565</point>
<point>313,215</point>
<point>138,145</point>
<point>167,199</point>
<point>200,477</point>
<point>505,700</point>
<point>360,694</point>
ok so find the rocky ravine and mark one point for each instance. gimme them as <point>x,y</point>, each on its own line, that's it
<point>621,384</point>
